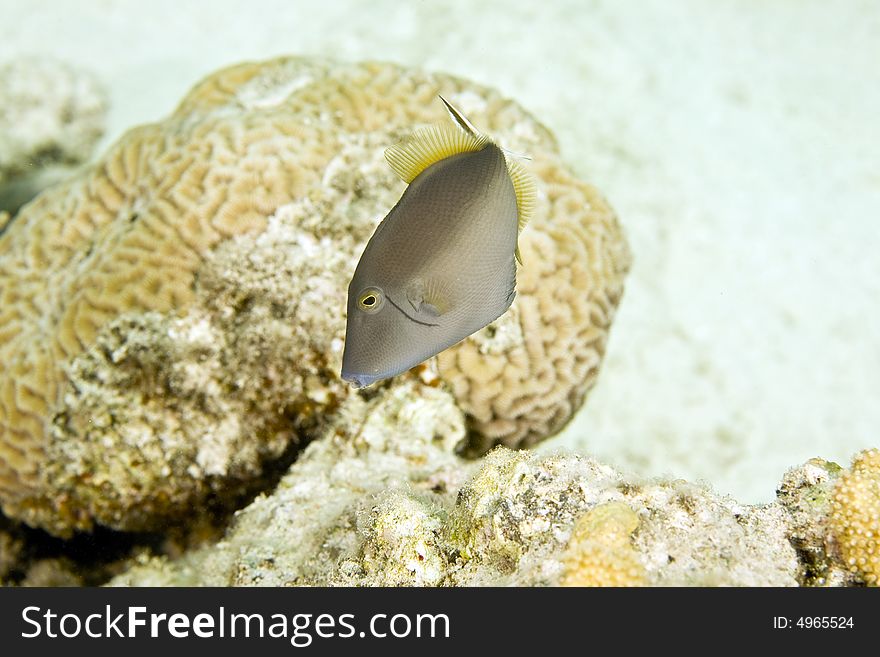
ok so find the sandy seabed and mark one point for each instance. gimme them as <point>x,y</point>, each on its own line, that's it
<point>737,140</point>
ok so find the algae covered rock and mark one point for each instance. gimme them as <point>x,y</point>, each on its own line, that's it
<point>172,318</point>
<point>806,492</point>
<point>380,499</point>
<point>380,470</point>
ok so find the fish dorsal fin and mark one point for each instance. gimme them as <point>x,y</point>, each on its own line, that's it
<point>523,182</point>
<point>460,118</point>
<point>428,145</point>
<point>524,186</point>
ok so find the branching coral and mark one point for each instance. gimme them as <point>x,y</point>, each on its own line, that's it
<point>172,319</point>
<point>855,516</point>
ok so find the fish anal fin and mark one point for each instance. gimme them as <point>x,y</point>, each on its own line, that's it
<point>424,147</point>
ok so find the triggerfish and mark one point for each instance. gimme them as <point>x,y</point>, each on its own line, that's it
<point>442,264</point>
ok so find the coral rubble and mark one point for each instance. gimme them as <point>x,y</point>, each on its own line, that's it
<point>380,499</point>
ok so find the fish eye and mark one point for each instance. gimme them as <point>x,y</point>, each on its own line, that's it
<point>371,300</point>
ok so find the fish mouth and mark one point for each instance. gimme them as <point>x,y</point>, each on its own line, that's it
<point>359,380</point>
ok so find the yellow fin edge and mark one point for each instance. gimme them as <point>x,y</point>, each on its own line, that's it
<point>526,194</point>
<point>428,145</point>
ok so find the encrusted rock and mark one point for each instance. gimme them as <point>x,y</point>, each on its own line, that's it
<point>806,493</point>
<point>381,500</point>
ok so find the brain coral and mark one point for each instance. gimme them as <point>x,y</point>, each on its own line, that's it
<point>855,516</point>
<point>173,317</point>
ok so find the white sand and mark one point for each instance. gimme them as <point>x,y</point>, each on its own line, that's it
<point>739,141</point>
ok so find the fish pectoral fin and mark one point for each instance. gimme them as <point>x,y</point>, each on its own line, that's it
<point>415,295</point>
<point>430,309</point>
<point>425,298</point>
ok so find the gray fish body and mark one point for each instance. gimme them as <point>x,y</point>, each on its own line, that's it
<point>442,263</point>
